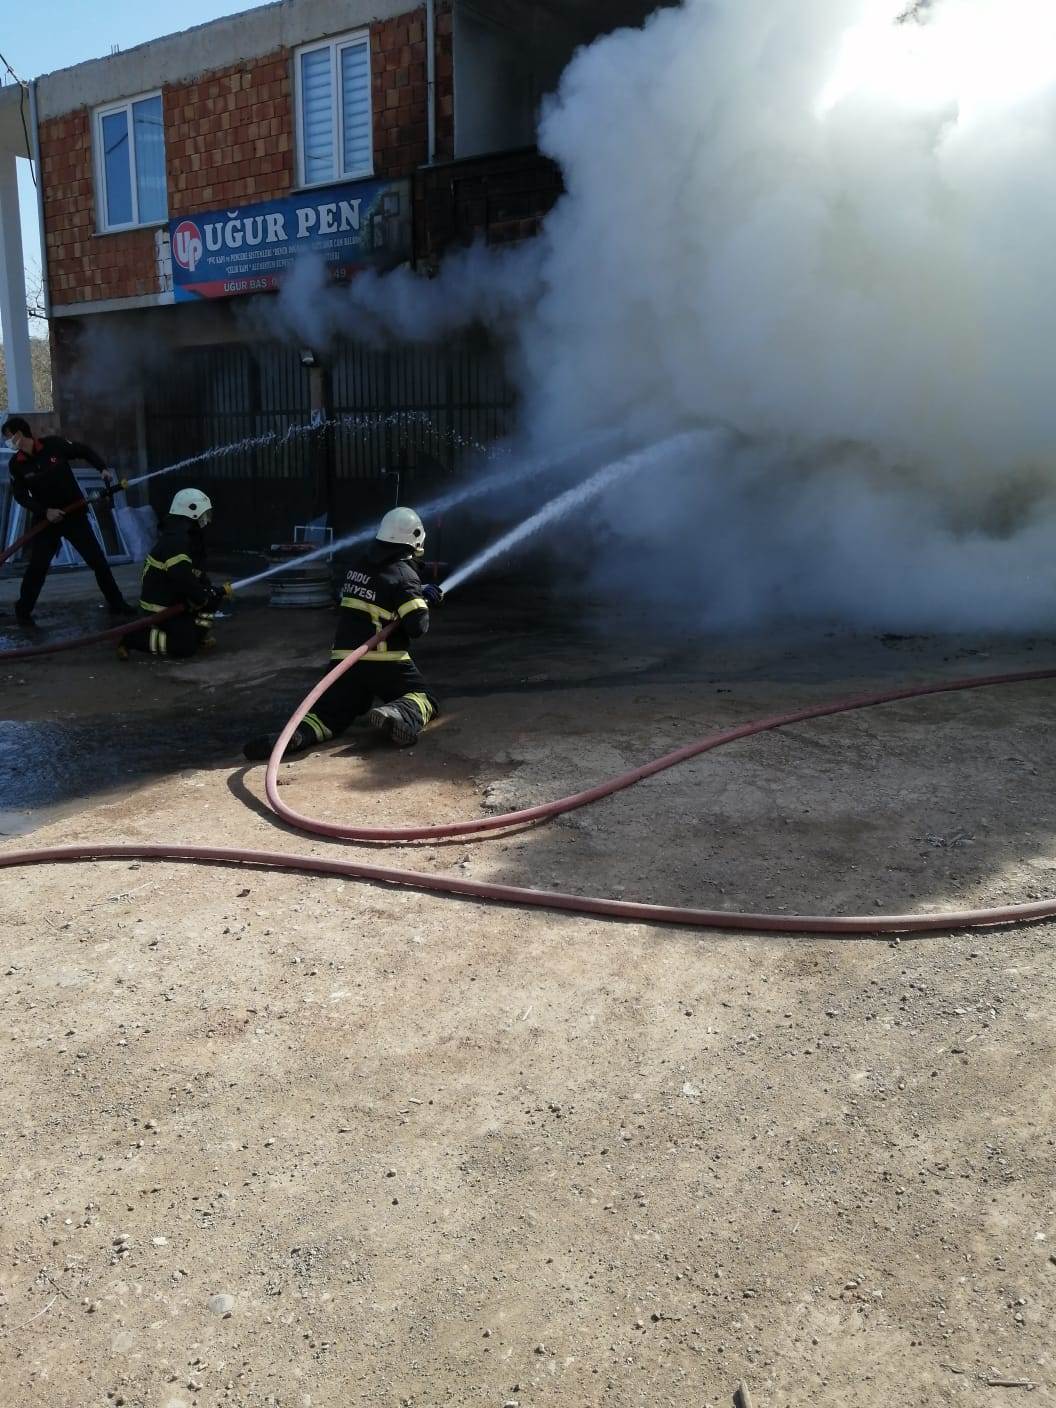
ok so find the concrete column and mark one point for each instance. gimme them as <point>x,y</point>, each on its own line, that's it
<point>14,320</point>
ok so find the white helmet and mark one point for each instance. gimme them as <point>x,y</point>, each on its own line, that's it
<point>192,504</point>
<point>402,527</point>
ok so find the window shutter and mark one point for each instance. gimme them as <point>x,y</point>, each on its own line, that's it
<point>147,125</point>
<point>117,169</point>
<point>317,116</point>
<point>358,146</point>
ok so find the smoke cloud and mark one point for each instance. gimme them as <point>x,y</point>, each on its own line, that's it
<point>826,226</point>
<point>495,289</point>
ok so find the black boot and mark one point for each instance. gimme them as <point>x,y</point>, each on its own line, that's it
<point>259,749</point>
<point>390,719</point>
<point>122,608</point>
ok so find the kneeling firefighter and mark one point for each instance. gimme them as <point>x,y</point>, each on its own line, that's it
<point>382,587</point>
<point>173,576</point>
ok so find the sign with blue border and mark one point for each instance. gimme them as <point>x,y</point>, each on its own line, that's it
<point>227,253</point>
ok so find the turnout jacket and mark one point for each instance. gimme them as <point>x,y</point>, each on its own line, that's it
<point>43,479</point>
<point>381,587</point>
<point>172,572</point>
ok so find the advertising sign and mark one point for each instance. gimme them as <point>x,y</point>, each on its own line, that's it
<point>225,253</point>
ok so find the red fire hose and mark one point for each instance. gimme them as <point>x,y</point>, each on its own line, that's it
<point>31,533</point>
<point>545,899</point>
<point>25,652</point>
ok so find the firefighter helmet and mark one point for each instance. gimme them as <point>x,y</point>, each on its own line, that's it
<point>402,528</point>
<point>192,504</point>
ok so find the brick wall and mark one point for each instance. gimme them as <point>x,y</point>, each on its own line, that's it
<point>445,81</point>
<point>229,137</point>
<point>400,94</point>
<point>82,266</point>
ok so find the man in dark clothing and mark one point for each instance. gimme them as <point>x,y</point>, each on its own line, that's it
<point>43,482</point>
<point>381,588</point>
<point>173,576</point>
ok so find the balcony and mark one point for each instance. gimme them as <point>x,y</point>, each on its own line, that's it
<point>499,199</point>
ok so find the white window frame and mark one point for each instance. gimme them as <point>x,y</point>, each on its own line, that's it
<point>102,224</point>
<point>342,41</point>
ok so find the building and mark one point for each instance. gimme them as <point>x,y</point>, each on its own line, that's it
<point>180,179</point>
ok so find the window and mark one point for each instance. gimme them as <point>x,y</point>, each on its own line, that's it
<point>130,164</point>
<point>335,139</point>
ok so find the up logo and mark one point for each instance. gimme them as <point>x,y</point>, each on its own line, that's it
<point>187,245</point>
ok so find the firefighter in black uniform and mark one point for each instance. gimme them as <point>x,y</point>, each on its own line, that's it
<point>173,576</point>
<point>43,482</point>
<point>382,587</point>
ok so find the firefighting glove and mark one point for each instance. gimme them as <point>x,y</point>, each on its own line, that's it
<point>432,593</point>
<point>218,595</point>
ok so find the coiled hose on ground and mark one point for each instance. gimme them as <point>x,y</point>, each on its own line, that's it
<point>547,899</point>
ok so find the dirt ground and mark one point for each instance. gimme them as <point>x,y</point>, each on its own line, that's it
<point>279,1140</point>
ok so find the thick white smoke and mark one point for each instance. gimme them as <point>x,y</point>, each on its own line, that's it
<point>832,231</point>
<point>476,285</point>
<point>828,226</point>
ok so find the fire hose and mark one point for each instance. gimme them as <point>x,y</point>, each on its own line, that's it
<point>546,899</point>
<point>26,652</point>
<point>31,533</point>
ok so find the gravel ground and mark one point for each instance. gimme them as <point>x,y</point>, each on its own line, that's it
<point>276,1140</point>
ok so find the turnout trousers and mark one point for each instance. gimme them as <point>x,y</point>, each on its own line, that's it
<point>77,531</point>
<point>398,682</point>
<point>176,639</point>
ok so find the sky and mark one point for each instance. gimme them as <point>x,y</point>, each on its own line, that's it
<point>56,34</point>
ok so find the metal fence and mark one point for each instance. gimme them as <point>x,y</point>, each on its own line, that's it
<point>415,404</point>
<point>423,413</point>
<point>227,395</point>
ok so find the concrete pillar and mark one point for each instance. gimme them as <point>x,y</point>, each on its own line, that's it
<point>14,320</point>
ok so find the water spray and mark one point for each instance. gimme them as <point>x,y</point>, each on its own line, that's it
<point>516,474</point>
<point>572,498</point>
<point>276,439</point>
<point>288,564</point>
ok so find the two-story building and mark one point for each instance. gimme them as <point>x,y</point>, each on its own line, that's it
<point>181,179</point>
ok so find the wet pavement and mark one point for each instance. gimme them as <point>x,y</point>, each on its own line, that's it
<point>48,769</point>
<point>79,725</point>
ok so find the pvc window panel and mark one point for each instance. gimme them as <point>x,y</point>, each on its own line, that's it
<point>317,116</point>
<point>117,170</point>
<point>355,109</point>
<point>149,142</point>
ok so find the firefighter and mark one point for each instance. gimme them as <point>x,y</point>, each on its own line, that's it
<point>44,484</point>
<point>173,576</point>
<point>382,587</point>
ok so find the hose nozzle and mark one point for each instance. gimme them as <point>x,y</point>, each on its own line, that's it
<point>107,491</point>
